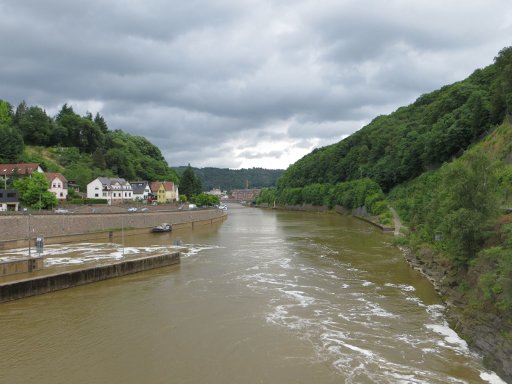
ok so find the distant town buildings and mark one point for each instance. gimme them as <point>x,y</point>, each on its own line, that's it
<point>245,194</point>
<point>217,192</point>
<point>113,190</point>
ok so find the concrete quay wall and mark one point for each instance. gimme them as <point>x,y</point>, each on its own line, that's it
<point>14,229</point>
<point>50,283</point>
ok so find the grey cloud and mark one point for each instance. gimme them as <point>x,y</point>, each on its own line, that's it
<point>210,81</point>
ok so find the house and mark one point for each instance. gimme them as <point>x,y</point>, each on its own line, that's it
<point>114,190</point>
<point>24,169</point>
<point>9,200</point>
<point>58,185</point>
<point>141,190</point>
<point>165,191</point>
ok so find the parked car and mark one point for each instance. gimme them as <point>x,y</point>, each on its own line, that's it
<point>144,209</point>
<point>132,209</point>
<point>61,210</point>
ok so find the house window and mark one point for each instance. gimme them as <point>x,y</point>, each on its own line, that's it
<point>104,194</point>
<point>96,195</point>
<point>61,194</point>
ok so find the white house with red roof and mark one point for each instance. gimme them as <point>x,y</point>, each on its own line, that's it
<point>58,185</point>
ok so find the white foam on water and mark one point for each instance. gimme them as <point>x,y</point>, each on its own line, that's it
<point>491,378</point>
<point>194,249</point>
<point>301,297</point>
<point>450,336</point>
<point>402,287</point>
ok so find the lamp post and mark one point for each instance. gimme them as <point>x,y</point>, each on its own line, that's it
<point>122,231</point>
<point>28,236</point>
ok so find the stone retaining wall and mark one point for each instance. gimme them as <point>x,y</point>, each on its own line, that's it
<point>50,283</point>
<point>14,229</point>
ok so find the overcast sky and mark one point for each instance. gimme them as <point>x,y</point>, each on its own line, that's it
<point>242,83</point>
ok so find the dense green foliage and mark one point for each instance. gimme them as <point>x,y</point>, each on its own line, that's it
<point>456,211</point>
<point>229,179</point>
<point>351,194</point>
<point>82,146</point>
<point>398,147</point>
<point>205,200</point>
<point>458,203</point>
<point>33,192</point>
<point>190,184</point>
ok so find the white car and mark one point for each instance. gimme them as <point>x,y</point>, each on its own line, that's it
<point>132,209</point>
<point>61,210</point>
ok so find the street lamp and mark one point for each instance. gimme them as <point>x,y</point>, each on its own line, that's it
<point>28,235</point>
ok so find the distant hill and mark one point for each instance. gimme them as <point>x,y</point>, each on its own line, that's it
<point>229,179</point>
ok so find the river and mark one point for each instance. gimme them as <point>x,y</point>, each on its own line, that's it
<point>263,297</point>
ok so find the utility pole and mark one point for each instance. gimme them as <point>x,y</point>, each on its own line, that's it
<point>29,239</point>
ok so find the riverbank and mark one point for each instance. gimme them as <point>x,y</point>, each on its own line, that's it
<point>358,213</point>
<point>485,332</point>
<point>63,228</point>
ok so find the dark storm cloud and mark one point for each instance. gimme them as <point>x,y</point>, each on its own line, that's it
<point>233,83</point>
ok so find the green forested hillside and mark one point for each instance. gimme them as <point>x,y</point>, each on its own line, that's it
<point>81,147</point>
<point>228,179</point>
<point>435,128</point>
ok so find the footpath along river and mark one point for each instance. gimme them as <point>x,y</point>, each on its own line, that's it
<point>263,297</point>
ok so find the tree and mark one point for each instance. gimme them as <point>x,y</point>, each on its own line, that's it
<point>11,144</point>
<point>468,204</point>
<point>190,184</point>
<point>101,123</point>
<point>34,192</point>
<point>504,67</point>
<point>204,199</point>
<point>35,125</point>
<point>6,114</point>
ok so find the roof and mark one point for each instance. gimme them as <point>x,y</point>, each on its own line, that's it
<point>108,182</point>
<point>139,186</point>
<point>21,169</point>
<point>168,185</point>
<point>52,175</point>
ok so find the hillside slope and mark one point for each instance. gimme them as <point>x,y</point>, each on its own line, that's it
<point>421,136</point>
<point>80,147</point>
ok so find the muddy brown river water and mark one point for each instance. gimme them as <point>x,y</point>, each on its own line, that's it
<point>263,297</point>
